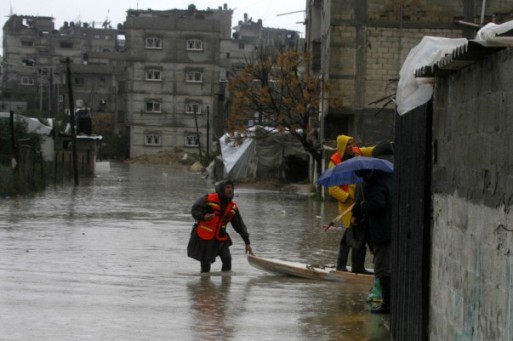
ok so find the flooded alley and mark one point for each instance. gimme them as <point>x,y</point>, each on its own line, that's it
<point>107,261</point>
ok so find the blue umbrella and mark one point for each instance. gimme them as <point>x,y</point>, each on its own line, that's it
<point>344,172</point>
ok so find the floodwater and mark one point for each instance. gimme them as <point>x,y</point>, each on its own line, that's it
<point>107,261</point>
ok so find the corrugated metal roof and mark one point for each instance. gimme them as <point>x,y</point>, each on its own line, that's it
<point>459,58</point>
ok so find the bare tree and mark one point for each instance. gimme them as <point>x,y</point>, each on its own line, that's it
<point>275,92</point>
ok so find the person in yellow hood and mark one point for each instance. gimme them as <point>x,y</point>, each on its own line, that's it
<point>345,195</point>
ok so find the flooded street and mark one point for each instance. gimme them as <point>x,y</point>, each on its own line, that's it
<point>107,261</point>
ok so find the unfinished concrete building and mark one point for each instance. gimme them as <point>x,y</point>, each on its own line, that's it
<point>173,72</point>
<point>359,47</point>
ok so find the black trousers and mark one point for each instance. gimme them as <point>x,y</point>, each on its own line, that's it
<point>357,256</point>
<point>226,259</point>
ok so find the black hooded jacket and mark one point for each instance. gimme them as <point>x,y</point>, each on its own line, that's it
<point>375,206</point>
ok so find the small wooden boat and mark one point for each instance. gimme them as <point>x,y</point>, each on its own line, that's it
<point>302,270</point>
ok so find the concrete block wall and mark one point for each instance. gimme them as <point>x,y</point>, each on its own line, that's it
<point>472,185</point>
<point>387,48</point>
<point>428,11</point>
<point>367,46</point>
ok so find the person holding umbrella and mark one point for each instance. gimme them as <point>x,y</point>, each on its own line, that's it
<point>345,195</point>
<point>375,206</point>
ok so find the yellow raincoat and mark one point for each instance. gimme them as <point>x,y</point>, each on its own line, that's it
<point>345,195</point>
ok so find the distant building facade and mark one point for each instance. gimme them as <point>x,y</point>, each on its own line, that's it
<point>173,74</point>
<point>34,68</point>
<point>162,74</point>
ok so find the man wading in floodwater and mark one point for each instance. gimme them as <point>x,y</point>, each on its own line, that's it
<point>209,237</point>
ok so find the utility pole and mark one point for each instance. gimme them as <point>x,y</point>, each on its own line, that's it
<point>208,129</point>
<point>72,122</point>
<point>41,91</point>
<point>197,133</point>
<point>14,149</point>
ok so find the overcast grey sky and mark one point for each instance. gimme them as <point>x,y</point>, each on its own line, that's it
<point>115,10</point>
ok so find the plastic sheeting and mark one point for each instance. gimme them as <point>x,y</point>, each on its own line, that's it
<point>34,126</point>
<point>239,159</point>
<point>490,34</point>
<point>259,157</point>
<point>413,92</point>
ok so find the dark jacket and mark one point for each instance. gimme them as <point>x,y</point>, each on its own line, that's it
<point>200,208</point>
<point>375,205</point>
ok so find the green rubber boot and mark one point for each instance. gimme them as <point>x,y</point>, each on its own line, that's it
<point>375,292</point>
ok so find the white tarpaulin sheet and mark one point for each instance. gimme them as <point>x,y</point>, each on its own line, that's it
<point>259,157</point>
<point>238,159</point>
<point>490,34</point>
<point>34,126</point>
<point>413,92</point>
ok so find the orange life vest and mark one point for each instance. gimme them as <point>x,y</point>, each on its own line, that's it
<point>216,227</point>
<point>336,158</point>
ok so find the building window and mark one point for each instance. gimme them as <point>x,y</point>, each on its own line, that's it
<point>66,45</point>
<point>153,139</point>
<point>194,77</point>
<point>191,140</point>
<point>241,46</point>
<point>195,44</point>
<point>192,107</point>
<point>27,43</point>
<point>153,43</point>
<point>79,81</point>
<point>102,82</point>
<point>238,66</point>
<point>153,75</point>
<point>153,106</point>
<point>27,80</point>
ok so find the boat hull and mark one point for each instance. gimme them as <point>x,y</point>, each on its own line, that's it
<point>296,269</point>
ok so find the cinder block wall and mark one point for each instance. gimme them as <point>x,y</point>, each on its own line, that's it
<point>472,254</point>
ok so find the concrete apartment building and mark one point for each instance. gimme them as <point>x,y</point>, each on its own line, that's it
<point>173,74</point>
<point>359,47</point>
<point>162,74</point>
<point>250,31</point>
<point>97,64</point>
<point>26,43</point>
<point>34,68</point>
<point>178,64</point>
